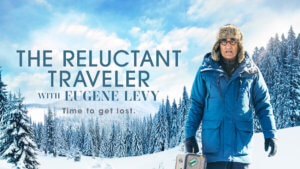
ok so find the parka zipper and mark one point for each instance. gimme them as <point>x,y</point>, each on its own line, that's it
<point>220,86</point>
<point>207,100</point>
<point>238,92</point>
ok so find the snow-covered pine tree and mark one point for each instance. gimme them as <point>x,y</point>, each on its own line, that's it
<point>103,144</point>
<point>128,136</point>
<point>17,145</point>
<point>44,136</point>
<point>91,129</point>
<point>139,143</point>
<point>97,138</point>
<point>180,123</point>
<point>38,134</point>
<point>34,131</point>
<point>296,81</point>
<point>174,125</point>
<point>160,130</point>
<point>255,57</point>
<point>285,84</point>
<point>74,149</point>
<point>147,123</point>
<point>56,135</point>
<point>283,47</point>
<point>119,150</point>
<point>150,126</point>
<point>184,108</point>
<point>87,148</point>
<point>3,97</point>
<point>82,135</point>
<point>122,147</point>
<point>111,141</point>
<point>50,131</point>
<point>137,146</point>
<point>3,104</point>
<point>277,87</point>
<point>270,66</point>
<point>168,116</point>
<point>166,128</point>
<point>261,54</point>
<point>60,139</point>
<point>152,136</point>
<point>69,138</point>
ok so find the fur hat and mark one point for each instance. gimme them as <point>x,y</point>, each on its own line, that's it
<point>229,31</point>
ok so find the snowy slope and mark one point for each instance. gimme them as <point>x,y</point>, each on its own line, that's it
<point>286,157</point>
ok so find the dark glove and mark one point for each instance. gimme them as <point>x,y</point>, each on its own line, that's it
<point>270,142</point>
<point>191,145</point>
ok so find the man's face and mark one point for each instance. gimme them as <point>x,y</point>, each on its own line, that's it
<point>229,48</point>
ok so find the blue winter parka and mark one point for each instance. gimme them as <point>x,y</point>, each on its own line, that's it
<point>226,107</point>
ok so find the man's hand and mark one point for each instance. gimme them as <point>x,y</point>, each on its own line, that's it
<point>191,145</point>
<point>270,142</point>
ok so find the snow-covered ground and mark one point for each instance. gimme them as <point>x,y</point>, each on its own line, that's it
<point>287,157</point>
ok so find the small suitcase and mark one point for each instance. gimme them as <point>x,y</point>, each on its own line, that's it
<point>190,161</point>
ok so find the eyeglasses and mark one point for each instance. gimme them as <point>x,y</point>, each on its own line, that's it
<point>231,42</point>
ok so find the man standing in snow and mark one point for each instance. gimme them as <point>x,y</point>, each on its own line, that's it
<point>227,89</point>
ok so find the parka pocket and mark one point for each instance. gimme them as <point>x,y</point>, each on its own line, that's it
<point>211,136</point>
<point>243,136</point>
